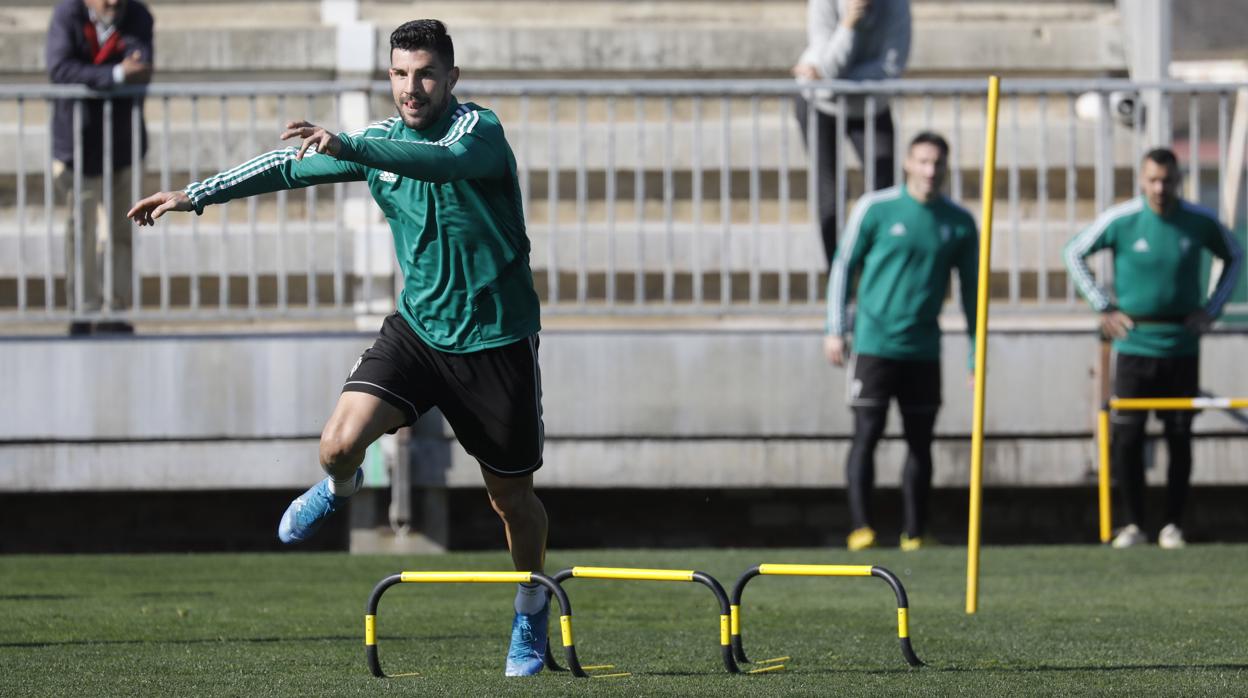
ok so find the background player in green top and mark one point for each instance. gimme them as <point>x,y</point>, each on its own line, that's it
<point>464,338</point>
<point>1156,315</point>
<point>904,241</point>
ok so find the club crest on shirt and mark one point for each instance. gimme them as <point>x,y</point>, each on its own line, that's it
<point>897,230</point>
<point>388,177</point>
<point>945,233</point>
<point>1140,246</point>
<point>1185,244</point>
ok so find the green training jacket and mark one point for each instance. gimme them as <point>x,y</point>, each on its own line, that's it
<point>1157,269</point>
<point>452,198</point>
<point>906,251</point>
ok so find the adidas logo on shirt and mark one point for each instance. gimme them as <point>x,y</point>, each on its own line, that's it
<point>897,230</point>
<point>388,177</point>
<point>1140,246</point>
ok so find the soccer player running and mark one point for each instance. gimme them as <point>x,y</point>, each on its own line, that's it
<point>464,338</point>
<point>904,242</point>
<point>1156,316</point>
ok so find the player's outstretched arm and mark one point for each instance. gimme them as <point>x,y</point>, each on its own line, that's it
<point>146,211</point>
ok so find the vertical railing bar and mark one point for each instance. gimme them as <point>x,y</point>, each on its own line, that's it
<point>309,205</point>
<point>696,165</point>
<point>165,184</point>
<point>1137,139</point>
<point>725,203</point>
<point>868,150</point>
<point>582,212</point>
<point>526,137</point>
<point>1193,141</point>
<point>927,112</point>
<point>223,163</point>
<point>812,195</point>
<point>21,206</point>
<point>955,147</point>
<point>281,222</point>
<point>639,201</point>
<point>841,185</point>
<point>49,215</point>
<point>552,201</point>
<point>1015,218</point>
<point>1042,196</point>
<point>136,187</point>
<point>669,231</point>
<point>1072,191</point>
<point>340,189</point>
<point>107,183</point>
<point>253,232</point>
<point>755,215</point>
<point>783,193</point>
<point>1223,118</point>
<point>193,257</point>
<point>78,271</point>
<point>610,203</point>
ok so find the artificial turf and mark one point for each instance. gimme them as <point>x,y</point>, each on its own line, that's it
<point>1052,620</point>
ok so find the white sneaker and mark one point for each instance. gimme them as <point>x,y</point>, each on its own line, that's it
<point>1171,537</point>
<point>1129,536</point>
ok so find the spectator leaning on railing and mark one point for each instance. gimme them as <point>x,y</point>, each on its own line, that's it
<point>851,40</point>
<point>98,43</point>
<point>1155,316</point>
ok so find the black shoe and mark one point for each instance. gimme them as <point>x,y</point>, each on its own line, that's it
<point>79,328</point>
<point>114,327</point>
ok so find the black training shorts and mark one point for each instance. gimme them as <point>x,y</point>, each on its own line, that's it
<point>874,380</point>
<point>491,398</point>
<point>1149,376</point>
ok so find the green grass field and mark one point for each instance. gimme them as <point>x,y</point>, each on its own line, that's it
<point>1052,620</point>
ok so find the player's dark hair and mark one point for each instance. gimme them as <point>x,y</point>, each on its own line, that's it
<point>424,35</point>
<point>930,138</point>
<point>1164,157</point>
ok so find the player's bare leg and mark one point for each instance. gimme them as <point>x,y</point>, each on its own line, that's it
<point>358,420</point>
<point>525,525</point>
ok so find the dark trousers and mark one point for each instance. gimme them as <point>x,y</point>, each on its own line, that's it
<point>825,161</point>
<point>1143,376</point>
<point>916,478</point>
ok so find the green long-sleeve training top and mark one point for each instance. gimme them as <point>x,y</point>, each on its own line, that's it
<point>1157,269</point>
<point>452,198</point>
<point>906,251</point>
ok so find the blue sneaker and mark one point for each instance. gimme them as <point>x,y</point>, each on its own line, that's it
<point>528,642</point>
<point>310,509</point>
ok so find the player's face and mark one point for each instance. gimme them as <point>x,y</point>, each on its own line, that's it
<point>1160,185</point>
<point>925,168</point>
<point>107,10</point>
<point>421,85</point>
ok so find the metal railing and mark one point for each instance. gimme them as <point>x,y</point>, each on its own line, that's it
<point>643,197</point>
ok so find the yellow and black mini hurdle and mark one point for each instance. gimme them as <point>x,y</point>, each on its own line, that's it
<point>565,619</point>
<point>903,605</point>
<point>1130,404</point>
<point>649,575</point>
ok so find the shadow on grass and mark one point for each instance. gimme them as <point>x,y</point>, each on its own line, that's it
<point>234,640</point>
<point>37,597</point>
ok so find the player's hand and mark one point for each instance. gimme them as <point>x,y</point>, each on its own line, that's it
<point>315,138</point>
<point>836,349</point>
<point>855,10</point>
<point>806,71</point>
<point>134,70</point>
<point>1115,324</point>
<point>146,211</point>
<point>1198,322</point>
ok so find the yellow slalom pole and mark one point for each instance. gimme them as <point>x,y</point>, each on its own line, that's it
<point>981,348</point>
<point>1102,453</point>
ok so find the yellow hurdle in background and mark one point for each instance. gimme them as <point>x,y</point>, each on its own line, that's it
<point>652,575</point>
<point>1134,403</point>
<point>783,570</point>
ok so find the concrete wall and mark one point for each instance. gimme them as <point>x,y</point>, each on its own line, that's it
<point>731,408</point>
